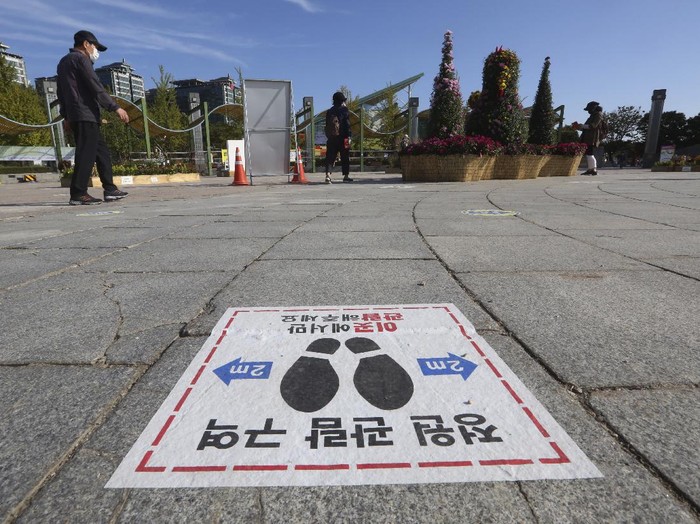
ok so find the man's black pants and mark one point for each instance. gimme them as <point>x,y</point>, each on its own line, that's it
<point>334,145</point>
<point>90,148</point>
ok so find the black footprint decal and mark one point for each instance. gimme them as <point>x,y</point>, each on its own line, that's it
<point>311,383</point>
<point>379,378</point>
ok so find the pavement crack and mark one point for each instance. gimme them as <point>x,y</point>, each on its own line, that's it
<point>523,493</point>
<point>261,506</point>
<point>580,393</point>
<point>119,508</point>
<point>551,230</point>
<point>686,499</point>
<point>74,447</point>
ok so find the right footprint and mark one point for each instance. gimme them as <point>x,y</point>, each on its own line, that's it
<point>311,383</point>
<point>379,378</point>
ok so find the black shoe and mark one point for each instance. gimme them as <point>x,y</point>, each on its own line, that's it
<point>84,200</point>
<point>347,179</point>
<point>594,172</point>
<point>114,195</point>
<point>590,172</point>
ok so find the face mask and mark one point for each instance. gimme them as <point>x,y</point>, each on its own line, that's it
<point>94,55</point>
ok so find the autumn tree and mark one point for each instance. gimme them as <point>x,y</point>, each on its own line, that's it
<point>21,104</point>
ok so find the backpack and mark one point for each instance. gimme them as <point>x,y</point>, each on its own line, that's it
<point>603,129</point>
<point>332,125</point>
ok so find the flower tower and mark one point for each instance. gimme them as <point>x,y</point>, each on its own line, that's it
<point>542,119</point>
<point>446,100</point>
<point>497,112</point>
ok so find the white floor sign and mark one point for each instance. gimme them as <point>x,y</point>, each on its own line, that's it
<point>348,395</point>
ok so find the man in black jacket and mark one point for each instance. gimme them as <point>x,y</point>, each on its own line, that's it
<point>81,94</point>
<point>338,134</point>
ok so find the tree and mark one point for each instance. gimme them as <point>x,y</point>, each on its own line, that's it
<point>21,104</point>
<point>623,124</point>
<point>446,118</point>
<point>673,129</point>
<point>165,112</point>
<point>220,132</point>
<point>497,112</point>
<point>693,130</point>
<point>121,139</point>
<point>390,120</point>
<point>623,129</point>
<point>542,118</point>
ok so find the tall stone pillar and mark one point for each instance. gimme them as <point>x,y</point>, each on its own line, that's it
<point>200,159</point>
<point>657,108</point>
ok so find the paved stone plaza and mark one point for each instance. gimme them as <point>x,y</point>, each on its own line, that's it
<point>590,294</point>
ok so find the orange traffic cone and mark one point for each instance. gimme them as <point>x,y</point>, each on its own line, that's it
<point>239,177</point>
<point>299,177</point>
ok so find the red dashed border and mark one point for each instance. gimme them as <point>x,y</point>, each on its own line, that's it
<point>143,466</point>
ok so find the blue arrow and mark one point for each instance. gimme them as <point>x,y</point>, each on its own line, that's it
<point>450,365</point>
<point>237,370</point>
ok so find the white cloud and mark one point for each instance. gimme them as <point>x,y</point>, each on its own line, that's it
<point>306,5</point>
<point>140,8</point>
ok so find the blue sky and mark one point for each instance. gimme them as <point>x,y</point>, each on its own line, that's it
<point>614,51</point>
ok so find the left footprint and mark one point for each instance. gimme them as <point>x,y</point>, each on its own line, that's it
<point>379,379</point>
<point>311,383</point>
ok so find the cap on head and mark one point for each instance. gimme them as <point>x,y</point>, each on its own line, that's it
<point>338,97</point>
<point>81,36</point>
<point>591,105</point>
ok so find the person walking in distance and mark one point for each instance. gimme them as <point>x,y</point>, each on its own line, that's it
<point>80,95</point>
<point>338,136</point>
<point>593,132</point>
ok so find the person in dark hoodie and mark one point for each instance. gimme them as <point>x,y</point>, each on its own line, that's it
<point>338,134</point>
<point>592,134</point>
<point>80,95</point>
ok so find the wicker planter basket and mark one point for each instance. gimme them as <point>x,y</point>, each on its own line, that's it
<point>559,165</point>
<point>517,167</point>
<point>446,168</point>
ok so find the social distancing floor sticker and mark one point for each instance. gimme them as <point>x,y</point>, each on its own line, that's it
<point>348,395</point>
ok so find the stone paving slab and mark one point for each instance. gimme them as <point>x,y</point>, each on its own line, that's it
<point>333,282</point>
<point>664,425</point>
<point>359,224</point>
<point>182,256</point>
<point>525,253</point>
<point>106,307</point>
<point>629,491</point>
<point>354,245</point>
<point>44,410</point>
<point>231,230</point>
<point>13,234</point>
<point>646,244</point>
<point>151,300</point>
<point>600,329</point>
<point>49,321</point>
<point>18,266</point>
<point>104,237</point>
<point>468,226</point>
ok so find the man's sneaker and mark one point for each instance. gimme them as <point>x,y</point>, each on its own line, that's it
<point>84,200</point>
<point>328,179</point>
<point>114,195</point>
<point>347,179</point>
<point>590,172</point>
